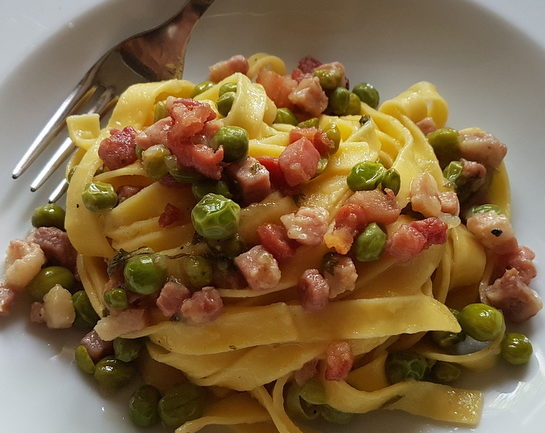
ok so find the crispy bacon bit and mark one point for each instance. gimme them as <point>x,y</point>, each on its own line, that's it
<point>252,178</point>
<point>380,207</point>
<point>313,290</point>
<point>24,260</point>
<point>96,346</point>
<point>425,195</point>
<point>278,87</point>
<point>7,297</point>
<point>319,139</point>
<point>308,64</point>
<point>307,226</point>
<point>339,361</point>
<point>449,202</point>
<point>341,276</point>
<point>37,312</point>
<point>259,267</point>
<point>482,147</point>
<point>203,306</point>
<point>126,191</point>
<point>56,246</point>
<point>306,372</point>
<point>520,259</point>
<point>299,162</point>
<point>170,216</point>
<point>223,69</point>
<point>494,231</point>
<point>116,325</point>
<point>309,96</point>
<point>510,294</point>
<point>171,297</point>
<point>156,133</point>
<point>118,150</point>
<point>427,125</point>
<point>275,240</point>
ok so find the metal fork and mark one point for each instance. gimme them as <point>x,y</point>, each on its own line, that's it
<point>155,55</point>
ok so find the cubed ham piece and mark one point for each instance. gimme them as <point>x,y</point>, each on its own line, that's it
<point>482,147</point>
<point>56,246</point>
<point>118,150</point>
<point>275,240</point>
<point>493,231</point>
<point>278,181</point>
<point>510,294</point>
<point>335,66</point>
<point>449,203</point>
<point>425,195</point>
<point>259,268</point>
<point>339,361</point>
<point>306,226</point>
<point>340,274</point>
<point>299,162</point>
<point>427,125</point>
<point>278,87</point>
<point>171,297</point>
<point>313,290</point>
<point>378,206</point>
<point>319,139</point>
<point>171,215</point>
<point>521,259</point>
<point>309,97</point>
<point>118,324</point>
<point>252,178</point>
<point>126,191</point>
<point>7,297</point>
<point>156,133</point>
<point>204,306</point>
<point>223,69</point>
<point>24,259</point>
<point>96,346</point>
<point>306,372</point>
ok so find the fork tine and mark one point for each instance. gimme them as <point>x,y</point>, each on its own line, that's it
<point>54,125</point>
<point>59,191</point>
<point>67,147</point>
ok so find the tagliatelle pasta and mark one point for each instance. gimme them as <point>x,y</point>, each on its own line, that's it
<point>301,310</point>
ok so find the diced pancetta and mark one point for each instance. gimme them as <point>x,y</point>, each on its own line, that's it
<point>313,290</point>
<point>493,231</point>
<point>37,312</point>
<point>156,133</point>
<point>339,361</point>
<point>118,150</point>
<point>275,240</point>
<point>307,226</point>
<point>521,259</point>
<point>24,260</point>
<point>58,312</point>
<point>308,64</point>
<point>118,324</point>
<point>189,118</point>
<point>97,348</point>
<point>482,147</point>
<point>425,195</point>
<point>171,215</point>
<point>309,96</point>
<point>7,297</point>
<point>427,125</point>
<point>126,191</point>
<point>449,203</point>
<point>299,161</point>
<point>259,268</point>
<point>278,181</point>
<point>349,221</point>
<point>56,246</point>
<point>223,69</point>
<point>306,372</point>
<point>204,306</point>
<point>278,87</point>
<point>319,139</point>
<point>340,275</point>
<point>252,178</point>
<point>378,206</point>
<point>171,298</point>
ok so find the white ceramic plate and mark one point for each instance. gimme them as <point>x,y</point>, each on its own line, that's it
<point>487,58</point>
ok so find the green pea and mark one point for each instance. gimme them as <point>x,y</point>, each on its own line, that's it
<point>182,175</point>
<point>126,349</point>
<point>99,196</point>
<point>228,248</point>
<point>86,316</point>
<point>111,373</point>
<point>48,277</point>
<point>226,88</point>
<point>483,208</point>
<point>298,407</point>
<point>370,243</point>
<point>234,141</point>
<point>333,133</point>
<point>138,150</point>
<point>201,87</point>
<point>329,78</point>
<point>445,372</point>
<point>367,94</point>
<point>481,322</point>
<point>160,111</point>
<point>225,102</point>
<point>182,403</point>
<point>391,180</point>
<point>335,416</point>
<point>354,104</point>
<point>143,409</point>
<point>313,392</point>
<point>339,101</point>
<point>215,217</point>
<point>153,161</point>
<point>447,339</point>
<point>144,274</point>
<point>71,173</point>
<point>49,215</point>
<point>83,360</point>
<point>116,299</point>
<point>201,188</point>
<point>453,173</point>
<point>365,175</point>
<point>321,166</point>
<point>197,270</point>
<point>516,348</point>
<point>446,145</point>
<point>285,115</point>
<point>401,366</point>
<point>309,123</point>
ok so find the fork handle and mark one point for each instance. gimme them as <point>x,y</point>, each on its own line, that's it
<point>159,54</point>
